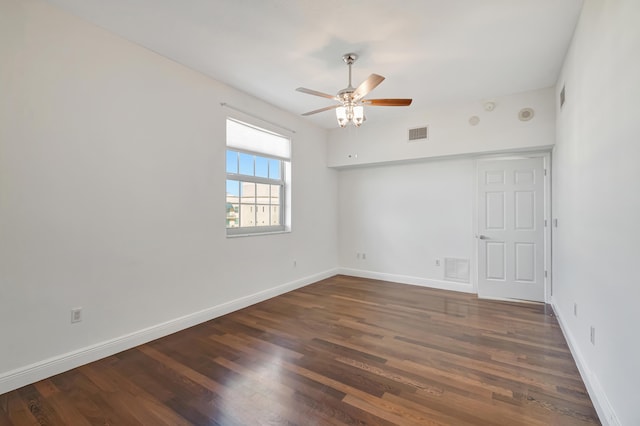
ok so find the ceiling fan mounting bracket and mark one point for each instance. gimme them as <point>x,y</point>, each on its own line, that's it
<point>349,58</point>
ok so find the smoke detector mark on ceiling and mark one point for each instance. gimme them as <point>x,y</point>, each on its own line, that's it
<point>419,133</point>
<point>525,114</point>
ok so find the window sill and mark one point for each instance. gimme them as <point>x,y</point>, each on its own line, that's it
<point>256,234</point>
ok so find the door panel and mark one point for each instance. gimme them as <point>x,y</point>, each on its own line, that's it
<point>525,261</point>
<point>511,229</point>
<point>525,210</point>
<point>495,210</point>
<point>496,261</point>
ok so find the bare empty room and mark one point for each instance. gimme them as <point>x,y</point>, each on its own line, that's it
<point>298,212</point>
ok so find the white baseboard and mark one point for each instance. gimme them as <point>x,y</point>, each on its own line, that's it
<point>41,370</point>
<point>405,279</point>
<point>595,390</point>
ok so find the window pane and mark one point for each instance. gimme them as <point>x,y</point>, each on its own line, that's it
<point>233,219</point>
<point>246,164</point>
<point>275,215</point>
<point>275,194</point>
<point>248,193</point>
<point>262,167</point>
<point>263,193</point>
<point>232,161</point>
<point>276,190</point>
<point>233,191</point>
<point>262,215</point>
<point>274,169</point>
<point>247,215</point>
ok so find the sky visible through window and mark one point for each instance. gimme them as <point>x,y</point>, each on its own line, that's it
<point>250,165</point>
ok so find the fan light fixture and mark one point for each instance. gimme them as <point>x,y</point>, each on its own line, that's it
<point>351,100</point>
<point>350,113</point>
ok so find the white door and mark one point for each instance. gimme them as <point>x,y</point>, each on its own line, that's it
<point>511,250</point>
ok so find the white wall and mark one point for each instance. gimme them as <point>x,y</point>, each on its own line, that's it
<point>404,217</point>
<point>112,197</point>
<point>450,132</point>
<point>596,198</point>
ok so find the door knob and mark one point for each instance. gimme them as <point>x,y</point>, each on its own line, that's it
<point>483,237</point>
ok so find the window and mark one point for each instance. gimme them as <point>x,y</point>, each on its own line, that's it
<point>258,175</point>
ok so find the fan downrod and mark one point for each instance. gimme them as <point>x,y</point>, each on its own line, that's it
<point>349,59</point>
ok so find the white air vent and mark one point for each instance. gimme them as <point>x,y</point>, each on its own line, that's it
<point>419,133</point>
<point>456,269</point>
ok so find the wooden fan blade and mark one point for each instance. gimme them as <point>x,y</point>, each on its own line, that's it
<point>316,93</point>
<point>321,109</point>
<point>387,102</point>
<point>366,86</point>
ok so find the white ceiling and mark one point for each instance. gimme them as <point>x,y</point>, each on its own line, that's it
<point>434,51</point>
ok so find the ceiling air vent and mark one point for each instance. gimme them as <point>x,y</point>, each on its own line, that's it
<point>419,133</point>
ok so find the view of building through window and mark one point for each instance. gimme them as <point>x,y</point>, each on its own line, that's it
<point>255,183</point>
<point>252,203</point>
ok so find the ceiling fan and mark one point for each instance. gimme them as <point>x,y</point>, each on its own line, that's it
<point>351,103</point>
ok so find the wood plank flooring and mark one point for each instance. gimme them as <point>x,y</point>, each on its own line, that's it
<point>341,351</point>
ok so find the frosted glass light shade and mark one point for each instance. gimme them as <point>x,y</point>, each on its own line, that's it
<point>341,115</point>
<point>358,115</point>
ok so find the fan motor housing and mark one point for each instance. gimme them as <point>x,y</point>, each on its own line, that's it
<point>346,94</point>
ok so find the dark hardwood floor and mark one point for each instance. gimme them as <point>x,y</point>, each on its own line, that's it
<point>341,351</point>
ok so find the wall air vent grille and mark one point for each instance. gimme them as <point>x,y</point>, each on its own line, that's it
<point>419,133</point>
<point>456,269</point>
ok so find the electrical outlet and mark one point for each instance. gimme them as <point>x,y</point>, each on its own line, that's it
<point>295,263</point>
<point>76,315</point>
<point>358,256</point>
<point>364,256</point>
<point>592,337</point>
<point>575,309</point>
<point>437,262</point>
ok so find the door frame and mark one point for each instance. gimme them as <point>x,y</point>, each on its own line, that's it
<point>546,156</point>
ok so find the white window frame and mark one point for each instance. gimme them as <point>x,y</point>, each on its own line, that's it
<point>283,181</point>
